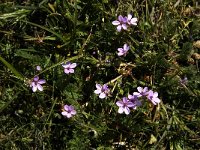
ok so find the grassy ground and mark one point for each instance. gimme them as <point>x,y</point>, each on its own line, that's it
<point>163,55</point>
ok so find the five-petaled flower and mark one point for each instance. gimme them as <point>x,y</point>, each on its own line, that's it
<point>69,67</point>
<point>141,92</point>
<point>124,105</point>
<point>123,51</point>
<point>69,111</point>
<point>153,97</point>
<point>131,20</point>
<point>36,84</point>
<point>102,91</point>
<point>134,99</point>
<point>121,23</point>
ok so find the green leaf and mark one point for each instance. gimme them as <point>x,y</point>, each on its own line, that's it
<point>14,71</point>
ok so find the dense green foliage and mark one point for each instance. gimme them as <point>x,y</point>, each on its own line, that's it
<point>164,48</point>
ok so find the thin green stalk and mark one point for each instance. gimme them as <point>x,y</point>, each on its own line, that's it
<point>44,28</point>
<point>12,69</point>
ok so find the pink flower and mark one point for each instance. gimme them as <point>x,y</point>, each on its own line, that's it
<point>153,97</point>
<point>102,91</point>
<point>69,67</point>
<point>69,111</point>
<point>123,51</point>
<point>121,23</point>
<point>124,106</point>
<point>142,92</point>
<point>134,100</point>
<point>131,21</point>
<point>36,84</point>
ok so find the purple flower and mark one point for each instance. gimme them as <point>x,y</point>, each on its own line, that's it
<point>36,84</point>
<point>69,111</point>
<point>69,67</point>
<point>121,23</point>
<point>38,68</point>
<point>153,97</point>
<point>142,92</point>
<point>123,51</point>
<point>102,91</point>
<point>124,106</point>
<point>131,20</point>
<point>134,99</point>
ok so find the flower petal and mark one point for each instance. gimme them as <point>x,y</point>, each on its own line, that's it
<point>130,104</point>
<point>64,113</point>
<point>32,84</point>
<point>129,16</point>
<point>116,23</point>
<point>140,89</point>
<point>40,88</point>
<point>36,78</point>
<point>69,115</point>
<point>134,21</point>
<point>125,100</point>
<point>137,94</point>
<point>119,28</point>
<point>73,112</point>
<point>155,94</point>
<point>98,86</point>
<point>42,81</point>
<point>66,71</point>
<point>66,107</point>
<point>98,91</point>
<point>71,70</point>
<point>126,47</point>
<point>120,54</point>
<point>157,100</point>
<point>125,20</point>
<point>145,89</point>
<point>130,97</point>
<point>34,88</point>
<point>120,18</point>
<point>127,110</point>
<point>120,110</point>
<point>120,49</point>
<point>102,95</point>
<point>73,65</point>
<point>119,103</point>
<point>124,26</point>
<point>66,65</point>
<point>150,94</point>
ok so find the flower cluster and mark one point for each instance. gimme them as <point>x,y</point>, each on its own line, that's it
<point>127,103</point>
<point>36,84</point>
<point>133,100</point>
<point>124,22</point>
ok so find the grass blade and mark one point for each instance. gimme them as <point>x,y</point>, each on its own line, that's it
<point>13,70</point>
